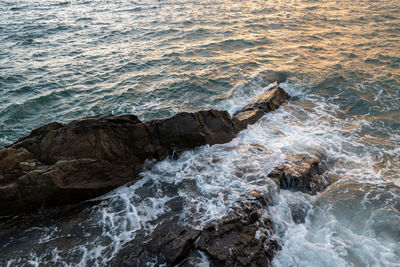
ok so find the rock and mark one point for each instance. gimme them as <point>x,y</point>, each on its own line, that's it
<point>27,165</point>
<point>243,237</point>
<point>301,174</point>
<point>265,103</point>
<point>188,130</point>
<point>59,164</point>
<point>10,158</point>
<point>246,117</point>
<point>169,244</point>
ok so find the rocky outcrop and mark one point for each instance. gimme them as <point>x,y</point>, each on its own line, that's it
<point>301,174</point>
<point>243,237</point>
<point>267,102</point>
<point>58,164</point>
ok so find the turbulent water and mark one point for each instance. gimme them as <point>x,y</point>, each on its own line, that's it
<point>62,60</point>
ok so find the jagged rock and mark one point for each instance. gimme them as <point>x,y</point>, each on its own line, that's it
<point>301,174</point>
<point>58,164</point>
<point>267,102</point>
<point>243,237</point>
<point>169,243</point>
<point>246,117</point>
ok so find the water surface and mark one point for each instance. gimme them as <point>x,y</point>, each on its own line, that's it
<point>62,60</point>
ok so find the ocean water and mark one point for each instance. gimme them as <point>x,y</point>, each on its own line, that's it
<point>62,60</point>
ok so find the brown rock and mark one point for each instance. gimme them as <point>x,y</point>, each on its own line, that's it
<point>301,174</point>
<point>243,237</point>
<point>244,118</point>
<point>265,103</point>
<point>58,164</point>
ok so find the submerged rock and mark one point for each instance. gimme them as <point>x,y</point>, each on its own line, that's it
<point>275,76</point>
<point>59,164</point>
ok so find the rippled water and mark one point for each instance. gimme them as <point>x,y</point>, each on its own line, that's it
<point>61,60</point>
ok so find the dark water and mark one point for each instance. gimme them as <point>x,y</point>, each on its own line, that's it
<point>62,60</point>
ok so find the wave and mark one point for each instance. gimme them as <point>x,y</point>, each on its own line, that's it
<point>204,183</point>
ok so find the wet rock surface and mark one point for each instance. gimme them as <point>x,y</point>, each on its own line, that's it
<point>62,164</point>
<point>59,164</point>
<point>243,237</point>
<point>267,102</point>
<point>300,173</point>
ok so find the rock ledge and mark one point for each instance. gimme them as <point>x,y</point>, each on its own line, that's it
<point>59,164</point>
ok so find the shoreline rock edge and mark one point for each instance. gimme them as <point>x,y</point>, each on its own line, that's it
<point>63,164</point>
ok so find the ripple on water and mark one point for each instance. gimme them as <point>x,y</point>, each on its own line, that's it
<point>61,60</point>
<point>202,184</point>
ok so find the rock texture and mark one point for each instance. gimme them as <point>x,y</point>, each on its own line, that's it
<point>267,102</point>
<point>243,237</point>
<point>58,164</point>
<point>301,174</point>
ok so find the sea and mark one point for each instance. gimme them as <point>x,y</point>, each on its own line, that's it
<point>61,60</point>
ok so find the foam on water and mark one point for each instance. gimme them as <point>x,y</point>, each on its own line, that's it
<point>350,224</point>
<point>340,229</point>
<point>202,184</point>
<point>63,60</point>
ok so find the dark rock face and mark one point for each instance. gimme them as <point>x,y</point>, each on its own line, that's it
<point>267,102</point>
<point>169,244</point>
<point>58,164</point>
<point>243,237</point>
<point>301,174</point>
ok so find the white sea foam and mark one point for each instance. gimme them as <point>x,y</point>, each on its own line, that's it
<point>205,182</point>
<point>346,227</point>
<point>4,141</point>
